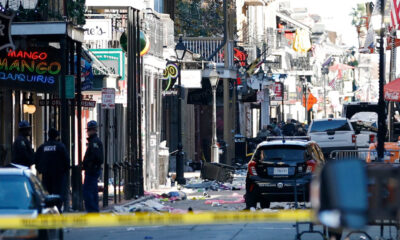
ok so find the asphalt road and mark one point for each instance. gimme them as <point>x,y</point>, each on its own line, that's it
<point>253,231</point>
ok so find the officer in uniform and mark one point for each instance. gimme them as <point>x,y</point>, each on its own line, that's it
<point>22,152</point>
<point>52,162</point>
<point>92,165</point>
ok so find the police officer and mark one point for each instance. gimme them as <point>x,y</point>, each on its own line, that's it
<point>52,161</point>
<point>22,152</point>
<point>92,165</point>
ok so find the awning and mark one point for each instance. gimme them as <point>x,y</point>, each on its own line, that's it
<point>392,91</point>
<point>293,21</point>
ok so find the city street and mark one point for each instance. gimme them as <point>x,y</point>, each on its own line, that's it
<point>252,114</point>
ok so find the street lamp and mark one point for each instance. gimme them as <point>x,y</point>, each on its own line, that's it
<point>180,49</point>
<point>269,73</point>
<point>214,78</point>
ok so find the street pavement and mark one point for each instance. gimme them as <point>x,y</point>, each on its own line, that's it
<point>196,201</point>
<point>247,231</point>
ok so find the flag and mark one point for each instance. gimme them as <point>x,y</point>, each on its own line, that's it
<point>332,83</point>
<point>311,100</point>
<point>394,14</point>
<point>254,65</point>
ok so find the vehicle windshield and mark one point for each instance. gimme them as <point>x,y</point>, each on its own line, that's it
<point>281,153</point>
<point>15,193</point>
<point>331,125</point>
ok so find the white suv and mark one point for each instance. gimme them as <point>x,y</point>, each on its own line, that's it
<point>333,134</point>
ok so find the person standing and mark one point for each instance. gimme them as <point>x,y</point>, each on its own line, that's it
<point>22,152</point>
<point>52,161</point>
<point>92,162</point>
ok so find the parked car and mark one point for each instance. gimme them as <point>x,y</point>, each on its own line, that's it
<point>277,166</point>
<point>365,133</point>
<point>333,134</point>
<point>21,193</point>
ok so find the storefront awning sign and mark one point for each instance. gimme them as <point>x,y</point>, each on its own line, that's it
<point>392,91</point>
<point>57,102</point>
<point>33,69</point>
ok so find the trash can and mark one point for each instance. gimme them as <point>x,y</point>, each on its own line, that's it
<point>240,148</point>
<point>163,157</point>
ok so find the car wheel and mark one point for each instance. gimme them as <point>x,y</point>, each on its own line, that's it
<point>251,198</point>
<point>61,234</point>
<point>265,204</point>
<point>43,235</point>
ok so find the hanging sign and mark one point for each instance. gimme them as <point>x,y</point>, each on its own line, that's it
<point>278,91</point>
<point>33,69</point>
<point>170,75</point>
<point>98,29</point>
<point>5,32</point>
<point>108,98</point>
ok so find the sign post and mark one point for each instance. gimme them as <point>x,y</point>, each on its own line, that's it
<point>70,86</point>
<point>107,102</point>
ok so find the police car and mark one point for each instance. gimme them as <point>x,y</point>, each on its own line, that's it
<point>21,193</point>
<point>281,170</point>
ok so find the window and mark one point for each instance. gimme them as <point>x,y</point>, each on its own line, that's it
<point>282,153</point>
<point>16,193</point>
<point>159,6</point>
<point>331,125</point>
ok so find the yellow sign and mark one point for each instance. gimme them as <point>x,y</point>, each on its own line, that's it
<point>148,219</point>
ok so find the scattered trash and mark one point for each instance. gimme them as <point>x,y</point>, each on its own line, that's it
<point>237,201</point>
<point>203,186</point>
<point>215,204</point>
<point>151,205</point>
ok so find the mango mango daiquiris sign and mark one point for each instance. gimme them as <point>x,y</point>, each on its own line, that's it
<point>33,69</point>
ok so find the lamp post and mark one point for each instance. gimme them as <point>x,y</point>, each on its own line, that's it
<point>325,72</point>
<point>214,78</point>
<point>270,79</point>
<point>180,50</point>
<point>260,76</point>
<point>381,102</point>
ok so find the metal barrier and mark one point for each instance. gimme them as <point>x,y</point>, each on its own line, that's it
<point>341,154</point>
<point>361,154</point>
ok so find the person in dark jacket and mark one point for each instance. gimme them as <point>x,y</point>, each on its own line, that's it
<point>92,165</point>
<point>289,129</point>
<point>52,161</point>
<point>22,152</point>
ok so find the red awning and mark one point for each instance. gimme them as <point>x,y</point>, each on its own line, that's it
<point>392,91</point>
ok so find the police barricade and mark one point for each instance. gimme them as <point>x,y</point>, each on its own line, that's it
<point>92,220</point>
<point>390,155</point>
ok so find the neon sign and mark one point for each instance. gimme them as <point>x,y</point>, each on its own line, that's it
<point>32,69</point>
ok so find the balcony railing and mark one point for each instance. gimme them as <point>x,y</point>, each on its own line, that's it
<point>205,46</point>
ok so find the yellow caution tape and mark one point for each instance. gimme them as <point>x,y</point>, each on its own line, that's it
<point>147,219</point>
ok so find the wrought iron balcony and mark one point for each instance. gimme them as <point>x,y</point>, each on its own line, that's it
<point>205,46</point>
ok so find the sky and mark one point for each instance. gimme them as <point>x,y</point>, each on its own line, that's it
<point>335,14</point>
